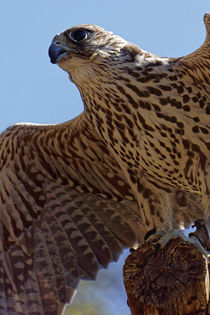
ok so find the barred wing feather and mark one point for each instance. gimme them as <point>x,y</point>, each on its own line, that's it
<point>66,211</point>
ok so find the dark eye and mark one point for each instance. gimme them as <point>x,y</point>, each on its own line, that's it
<point>78,35</point>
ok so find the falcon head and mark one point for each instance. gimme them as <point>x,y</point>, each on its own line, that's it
<point>81,48</point>
<point>85,42</point>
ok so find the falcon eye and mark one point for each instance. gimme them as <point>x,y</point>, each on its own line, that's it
<point>78,35</point>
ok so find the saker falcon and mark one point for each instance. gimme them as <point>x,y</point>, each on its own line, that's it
<point>73,195</point>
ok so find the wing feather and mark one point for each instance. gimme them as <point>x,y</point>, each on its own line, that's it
<point>66,210</point>
<point>64,214</point>
<point>196,66</point>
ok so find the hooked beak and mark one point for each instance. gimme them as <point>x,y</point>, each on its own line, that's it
<point>56,53</point>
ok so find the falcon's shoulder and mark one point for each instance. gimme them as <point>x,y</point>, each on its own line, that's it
<point>196,66</point>
<point>66,210</point>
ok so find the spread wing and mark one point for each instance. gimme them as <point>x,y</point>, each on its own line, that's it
<point>66,210</point>
<point>196,66</point>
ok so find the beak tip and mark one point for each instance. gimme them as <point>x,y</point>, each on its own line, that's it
<point>54,52</point>
<point>53,61</point>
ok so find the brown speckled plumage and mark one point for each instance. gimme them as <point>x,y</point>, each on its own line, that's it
<point>152,112</point>
<point>72,196</point>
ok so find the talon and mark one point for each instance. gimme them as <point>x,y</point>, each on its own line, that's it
<point>149,233</point>
<point>201,233</point>
<point>157,247</point>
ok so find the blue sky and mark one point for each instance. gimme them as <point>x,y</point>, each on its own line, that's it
<point>34,90</point>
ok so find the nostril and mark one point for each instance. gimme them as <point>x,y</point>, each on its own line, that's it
<point>57,43</point>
